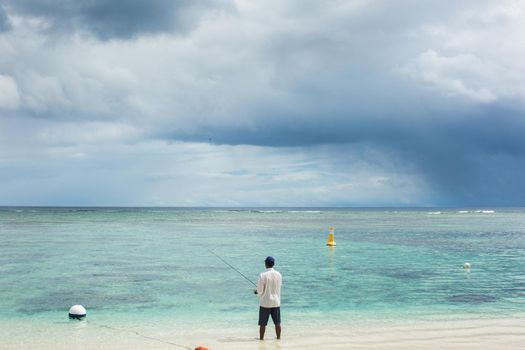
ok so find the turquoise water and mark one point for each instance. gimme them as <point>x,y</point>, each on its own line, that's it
<point>145,264</point>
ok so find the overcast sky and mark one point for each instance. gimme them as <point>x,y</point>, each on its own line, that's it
<point>262,103</point>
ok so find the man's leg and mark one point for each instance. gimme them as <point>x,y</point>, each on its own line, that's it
<point>276,318</point>
<point>262,329</point>
<point>264,315</point>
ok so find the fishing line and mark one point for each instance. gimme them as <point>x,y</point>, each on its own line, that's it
<point>227,263</point>
<point>164,341</point>
<point>141,335</point>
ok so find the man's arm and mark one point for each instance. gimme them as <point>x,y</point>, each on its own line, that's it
<point>260,286</point>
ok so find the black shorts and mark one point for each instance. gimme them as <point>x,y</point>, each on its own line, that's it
<point>265,312</point>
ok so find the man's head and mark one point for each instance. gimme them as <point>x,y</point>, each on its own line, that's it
<point>269,261</point>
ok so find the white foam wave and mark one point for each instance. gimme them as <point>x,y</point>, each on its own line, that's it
<point>269,211</point>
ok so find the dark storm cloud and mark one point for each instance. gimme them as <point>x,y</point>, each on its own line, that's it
<point>475,160</point>
<point>121,19</point>
<point>471,160</point>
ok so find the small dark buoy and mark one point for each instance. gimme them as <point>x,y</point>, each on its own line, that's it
<point>77,312</point>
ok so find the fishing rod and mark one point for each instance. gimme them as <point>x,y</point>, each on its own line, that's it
<point>233,268</point>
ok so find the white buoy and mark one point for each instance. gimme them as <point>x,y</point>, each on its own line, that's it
<point>77,312</point>
<point>466,265</point>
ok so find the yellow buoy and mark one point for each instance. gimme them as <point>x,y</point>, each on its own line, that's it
<point>331,238</point>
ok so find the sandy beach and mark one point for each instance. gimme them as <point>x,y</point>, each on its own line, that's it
<point>507,333</point>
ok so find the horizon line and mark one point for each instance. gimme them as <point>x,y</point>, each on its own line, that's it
<point>256,207</point>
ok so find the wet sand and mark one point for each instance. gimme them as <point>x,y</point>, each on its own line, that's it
<point>479,334</point>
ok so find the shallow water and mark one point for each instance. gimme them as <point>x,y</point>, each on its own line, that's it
<point>138,266</point>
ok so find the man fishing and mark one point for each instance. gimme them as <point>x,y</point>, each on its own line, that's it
<point>269,292</point>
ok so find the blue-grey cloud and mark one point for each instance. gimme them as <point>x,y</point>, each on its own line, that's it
<point>427,104</point>
<point>475,159</point>
<point>4,20</point>
<point>122,19</point>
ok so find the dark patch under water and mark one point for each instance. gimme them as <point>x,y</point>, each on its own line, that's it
<point>63,300</point>
<point>472,298</point>
<point>406,274</point>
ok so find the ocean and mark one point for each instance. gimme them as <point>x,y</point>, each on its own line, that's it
<point>135,268</point>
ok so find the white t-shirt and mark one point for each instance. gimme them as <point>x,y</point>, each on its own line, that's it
<point>269,288</point>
